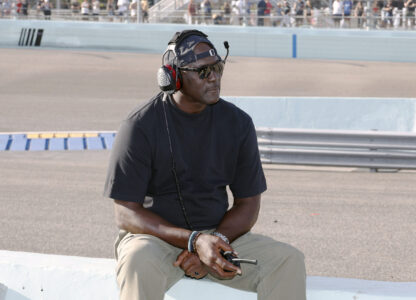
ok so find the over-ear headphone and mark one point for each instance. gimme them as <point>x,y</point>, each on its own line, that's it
<point>168,76</point>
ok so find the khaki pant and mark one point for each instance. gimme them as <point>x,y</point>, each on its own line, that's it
<point>145,268</point>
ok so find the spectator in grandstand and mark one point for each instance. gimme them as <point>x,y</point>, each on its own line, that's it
<point>191,12</point>
<point>299,8</point>
<point>234,13</point>
<point>397,13</point>
<point>25,8</point>
<point>248,17</point>
<point>398,4</point>
<point>46,7</point>
<point>337,11</point>
<point>206,9</point>
<point>38,8</point>
<point>95,9</point>
<point>75,7</point>
<point>18,6</point>
<point>145,11</point>
<point>359,13</point>
<point>123,7</point>
<point>380,15</point>
<point>237,12</point>
<point>279,15</point>
<point>308,12</point>
<point>375,13</point>
<point>227,12</point>
<point>6,8</point>
<point>286,13</point>
<point>410,6</point>
<point>242,11</point>
<point>85,10</point>
<point>347,4</point>
<point>388,14</point>
<point>110,8</point>
<point>133,11</point>
<point>267,13</point>
<point>217,19</point>
<point>261,7</point>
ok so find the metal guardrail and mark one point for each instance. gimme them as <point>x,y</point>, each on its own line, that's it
<point>362,149</point>
<point>365,149</point>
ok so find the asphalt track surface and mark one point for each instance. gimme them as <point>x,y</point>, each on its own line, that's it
<point>348,222</point>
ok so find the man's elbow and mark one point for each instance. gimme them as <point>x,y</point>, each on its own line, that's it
<point>120,223</point>
<point>120,215</point>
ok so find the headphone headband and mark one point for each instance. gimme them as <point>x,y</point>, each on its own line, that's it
<point>180,36</point>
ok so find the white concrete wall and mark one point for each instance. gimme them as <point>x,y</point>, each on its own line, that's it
<point>340,44</point>
<point>398,114</point>
<point>53,277</point>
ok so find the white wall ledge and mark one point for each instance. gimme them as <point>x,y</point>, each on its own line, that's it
<point>44,276</point>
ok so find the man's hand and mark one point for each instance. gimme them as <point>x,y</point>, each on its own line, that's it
<point>208,248</point>
<point>191,264</point>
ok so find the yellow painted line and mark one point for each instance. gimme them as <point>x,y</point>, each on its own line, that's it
<point>91,134</point>
<point>76,135</point>
<point>33,136</point>
<point>62,135</point>
<point>46,135</point>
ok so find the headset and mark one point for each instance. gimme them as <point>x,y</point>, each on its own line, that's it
<point>168,76</point>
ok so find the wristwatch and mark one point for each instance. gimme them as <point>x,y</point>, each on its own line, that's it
<point>221,236</point>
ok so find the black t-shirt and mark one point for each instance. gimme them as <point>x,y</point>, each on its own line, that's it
<point>212,149</point>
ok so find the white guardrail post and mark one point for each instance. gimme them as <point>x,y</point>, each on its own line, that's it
<point>366,149</point>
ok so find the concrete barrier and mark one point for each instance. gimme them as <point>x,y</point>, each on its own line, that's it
<point>3,291</point>
<point>383,114</point>
<point>340,44</point>
<point>49,277</point>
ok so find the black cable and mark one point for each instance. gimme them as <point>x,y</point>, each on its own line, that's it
<point>178,188</point>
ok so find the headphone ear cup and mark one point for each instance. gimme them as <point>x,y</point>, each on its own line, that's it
<point>168,79</point>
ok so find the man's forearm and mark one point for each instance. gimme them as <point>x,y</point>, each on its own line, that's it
<point>133,218</point>
<point>240,218</point>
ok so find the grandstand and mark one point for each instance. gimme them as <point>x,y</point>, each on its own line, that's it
<point>373,14</point>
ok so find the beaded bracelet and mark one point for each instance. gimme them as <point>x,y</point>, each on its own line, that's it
<point>221,236</point>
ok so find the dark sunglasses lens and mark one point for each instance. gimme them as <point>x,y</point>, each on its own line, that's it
<point>218,67</point>
<point>206,71</point>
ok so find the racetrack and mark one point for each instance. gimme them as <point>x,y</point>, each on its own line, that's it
<point>349,223</point>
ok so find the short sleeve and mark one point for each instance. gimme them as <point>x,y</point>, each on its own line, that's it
<point>129,169</point>
<point>249,178</point>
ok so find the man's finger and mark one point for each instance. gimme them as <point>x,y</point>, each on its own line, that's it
<point>223,274</point>
<point>224,246</point>
<point>189,261</point>
<point>227,266</point>
<point>180,258</point>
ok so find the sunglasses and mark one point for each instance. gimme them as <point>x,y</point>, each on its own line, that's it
<point>205,71</point>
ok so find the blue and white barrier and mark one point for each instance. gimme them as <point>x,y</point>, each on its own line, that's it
<point>49,277</point>
<point>56,141</point>
<point>340,44</point>
<point>323,113</point>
